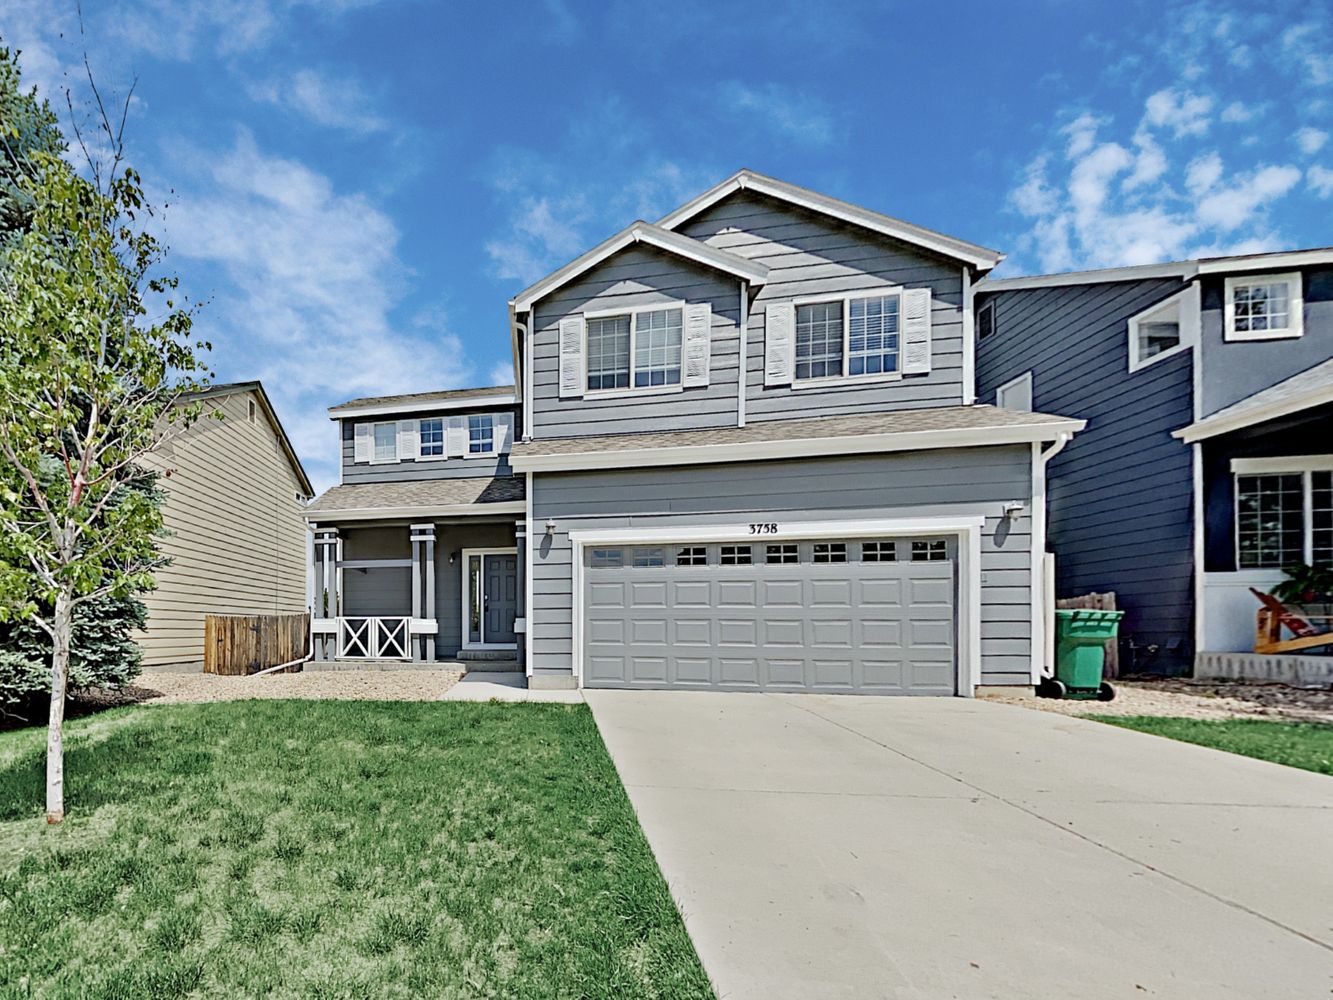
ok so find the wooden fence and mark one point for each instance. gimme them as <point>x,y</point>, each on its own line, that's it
<point>1098,602</point>
<point>246,644</point>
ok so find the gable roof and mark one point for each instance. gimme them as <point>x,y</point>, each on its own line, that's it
<point>1312,387</point>
<point>448,399</point>
<point>420,498</point>
<point>265,404</point>
<point>982,258</point>
<point>655,236</point>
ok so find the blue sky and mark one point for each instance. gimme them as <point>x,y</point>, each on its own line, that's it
<point>357,187</point>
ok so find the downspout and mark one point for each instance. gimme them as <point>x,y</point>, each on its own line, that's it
<point>1043,636</point>
<point>744,377</point>
<point>525,376</point>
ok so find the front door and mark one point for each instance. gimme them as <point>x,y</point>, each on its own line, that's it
<point>492,599</point>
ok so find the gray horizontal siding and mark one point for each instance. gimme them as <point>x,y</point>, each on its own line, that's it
<point>410,469</point>
<point>952,482</point>
<point>1120,495</point>
<point>638,276</point>
<point>1236,370</point>
<point>810,255</point>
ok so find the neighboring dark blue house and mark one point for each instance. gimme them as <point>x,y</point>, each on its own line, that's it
<point>1207,463</point>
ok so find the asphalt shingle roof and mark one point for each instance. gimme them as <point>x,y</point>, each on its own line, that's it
<point>415,398</point>
<point>1308,381</point>
<point>419,493</point>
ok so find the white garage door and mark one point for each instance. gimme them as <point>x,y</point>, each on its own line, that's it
<point>828,615</point>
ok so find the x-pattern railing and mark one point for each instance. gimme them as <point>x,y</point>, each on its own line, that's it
<point>374,638</point>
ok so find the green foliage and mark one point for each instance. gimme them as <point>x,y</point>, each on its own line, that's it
<point>1306,584</point>
<point>1307,745</point>
<point>28,128</point>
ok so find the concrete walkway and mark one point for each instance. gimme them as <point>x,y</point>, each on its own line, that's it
<point>493,685</point>
<point>826,847</point>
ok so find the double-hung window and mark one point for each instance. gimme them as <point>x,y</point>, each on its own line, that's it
<point>640,348</point>
<point>480,434</point>
<point>386,441</point>
<point>1284,512</point>
<point>852,337</point>
<point>1264,307</point>
<point>430,437</point>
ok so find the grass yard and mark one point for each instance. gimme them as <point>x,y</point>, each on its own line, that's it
<point>1307,745</point>
<point>333,850</point>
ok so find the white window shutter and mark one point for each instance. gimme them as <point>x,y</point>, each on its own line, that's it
<point>364,443</point>
<point>916,331</point>
<point>779,343</point>
<point>502,428</point>
<point>455,434</point>
<point>698,345</point>
<point>407,440</point>
<point>573,334</point>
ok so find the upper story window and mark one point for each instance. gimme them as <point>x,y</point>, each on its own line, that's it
<point>1284,511</point>
<point>1264,307</point>
<point>430,436</point>
<point>986,319</point>
<point>1164,329</point>
<point>480,434</point>
<point>386,442</point>
<point>640,348</point>
<point>851,336</point>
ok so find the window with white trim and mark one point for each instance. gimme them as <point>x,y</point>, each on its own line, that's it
<point>649,557</point>
<point>480,434</point>
<point>386,441</point>
<point>430,437</point>
<point>930,551</point>
<point>879,552</point>
<point>986,319</point>
<point>608,352</point>
<point>1264,307</point>
<point>784,553</point>
<point>607,558</point>
<point>1016,394</point>
<point>692,555</point>
<point>737,555</point>
<point>830,552</point>
<point>640,348</point>
<point>657,339</point>
<point>1284,518</point>
<point>1164,329</point>
<point>856,335</point>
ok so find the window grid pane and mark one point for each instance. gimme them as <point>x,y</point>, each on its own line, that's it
<point>879,552</point>
<point>1262,306</point>
<point>781,553</point>
<point>431,433</point>
<point>692,555</point>
<point>737,555</point>
<point>649,557</point>
<point>608,352</point>
<point>1154,338</point>
<point>608,557</point>
<point>929,551</point>
<point>1270,521</point>
<point>830,552</point>
<point>386,442</point>
<point>872,336</point>
<point>657,348</point>
<point>1321,518</point>
<point>819,340</point>
<point>480,434</point>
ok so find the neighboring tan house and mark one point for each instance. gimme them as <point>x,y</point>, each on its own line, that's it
<point>742,453</point>
<point>236,495</point>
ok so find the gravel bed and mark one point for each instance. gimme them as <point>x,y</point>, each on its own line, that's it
<point>367,685</point>
<point>1189,699</point>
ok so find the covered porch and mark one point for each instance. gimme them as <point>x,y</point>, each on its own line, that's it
<point>420,583</point>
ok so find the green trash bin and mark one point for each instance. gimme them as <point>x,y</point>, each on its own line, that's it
<point>1080,654</point>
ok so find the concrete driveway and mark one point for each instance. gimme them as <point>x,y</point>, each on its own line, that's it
<point>883,847</point>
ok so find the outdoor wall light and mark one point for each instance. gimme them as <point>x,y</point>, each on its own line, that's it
<point>550,529</point>
<point>1013,509</point>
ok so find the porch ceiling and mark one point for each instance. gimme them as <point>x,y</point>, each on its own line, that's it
<point>420,498</point>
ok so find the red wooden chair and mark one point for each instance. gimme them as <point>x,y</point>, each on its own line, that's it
<point>1274,616</point>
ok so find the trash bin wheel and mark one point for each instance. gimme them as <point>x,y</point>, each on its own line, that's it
<point>1050,687</point>
<point>1105,692</point>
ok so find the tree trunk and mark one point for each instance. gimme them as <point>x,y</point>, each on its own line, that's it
<point>61,626</point>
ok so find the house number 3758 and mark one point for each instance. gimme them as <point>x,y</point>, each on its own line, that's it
<point>764,528</point>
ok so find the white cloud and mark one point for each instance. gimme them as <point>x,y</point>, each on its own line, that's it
<point>1320,181</point>
<point>1203,173</point>
<point>798,116</point>
<point>1307,44</point>
<point>502,373</point>
<point>313,277</point>
<point>1237,113</point>
<point>1311,140</point>
<point>1232,207</point>
<point>332,102</point>
<point>1183,112</point>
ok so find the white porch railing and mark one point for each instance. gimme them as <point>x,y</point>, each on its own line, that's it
<point>374,638</point>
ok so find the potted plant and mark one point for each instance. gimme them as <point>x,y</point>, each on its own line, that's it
<point>1309,587</point>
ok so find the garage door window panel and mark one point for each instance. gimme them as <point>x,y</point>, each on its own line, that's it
<point>648,558</point>
<point>879,552</point>
<point>692,555</point>
<point>830,552</point>
<point>784,554</point>
<point>737,555</point>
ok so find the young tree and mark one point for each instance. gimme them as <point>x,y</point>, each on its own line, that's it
<point>89,385</point>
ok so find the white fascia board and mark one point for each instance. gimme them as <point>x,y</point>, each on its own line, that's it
<point>1183,270</point>
<point>978,256</point>
<point>643,232</point>
<point>423,406</point>
<point>400,513</point>
<point>1224,423</point>
<point>1267,261</point>
<point>743,532</point>
<point>1289,463</point>
<point>807,448</point>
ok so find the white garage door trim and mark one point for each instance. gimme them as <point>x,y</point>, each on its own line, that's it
<point>967,529</point>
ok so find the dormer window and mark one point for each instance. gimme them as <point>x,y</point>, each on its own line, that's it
<point>862,331</point>
<point>480,434</point>
<point>1264,307</point>
<point>431,437</point>
<point>386,442</point>
<point>639,348</point>
<point>1164,329</point>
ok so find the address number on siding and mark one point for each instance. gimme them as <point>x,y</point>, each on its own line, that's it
<point>764,528</point>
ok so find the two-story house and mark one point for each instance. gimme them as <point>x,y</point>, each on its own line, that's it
<point>1207,464</point>
<point>746,456</point>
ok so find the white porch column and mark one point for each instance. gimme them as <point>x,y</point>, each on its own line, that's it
<point>327,586</point>
<point>521,606</point>
<point>423,584</point>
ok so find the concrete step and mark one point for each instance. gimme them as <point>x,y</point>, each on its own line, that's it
<point>486,654</point>
<point>492,666</point>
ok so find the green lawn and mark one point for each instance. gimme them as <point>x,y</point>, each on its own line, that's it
<point>333,849</point>
<point>1297,744</point>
